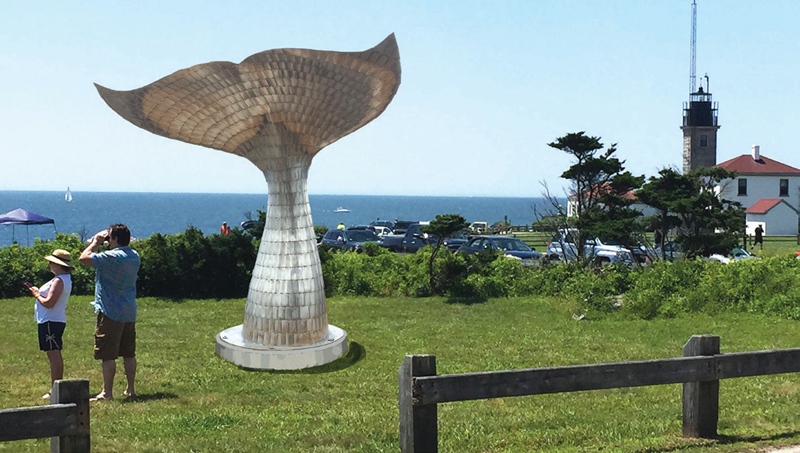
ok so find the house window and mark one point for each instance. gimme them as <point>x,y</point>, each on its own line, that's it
<point>742,187</point>
<point>784,188</point>
<point>703,141</point>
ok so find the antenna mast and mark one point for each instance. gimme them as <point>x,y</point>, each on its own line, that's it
<point>693,45</point>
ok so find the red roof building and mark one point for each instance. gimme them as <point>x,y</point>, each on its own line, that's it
<point>764,166</point>
<point>763,205</point>
<point>768,189</point>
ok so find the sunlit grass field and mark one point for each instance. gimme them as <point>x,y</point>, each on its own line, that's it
<point>192,401</point>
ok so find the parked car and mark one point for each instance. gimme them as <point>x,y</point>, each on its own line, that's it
<point>454,242</point>
<point>562,247</point>
<point>479,227</point>
<point>641,254</point>
<point>350,240</point>
<point>377,229</point>
<point>383,223</point>
<point>672,251</point>
<point>509,246</point>
<point>410,240</point>
<point>400,226</point>
<point>382,230</point>
<point>736,254</point>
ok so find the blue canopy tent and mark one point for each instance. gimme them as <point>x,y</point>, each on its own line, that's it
<point>23,217</point>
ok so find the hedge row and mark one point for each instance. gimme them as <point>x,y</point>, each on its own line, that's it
<point>20,264</point>
<point>181,266</point>
<point>190,265</point>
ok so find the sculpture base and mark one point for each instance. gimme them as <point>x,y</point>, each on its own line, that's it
<point>232,347</point>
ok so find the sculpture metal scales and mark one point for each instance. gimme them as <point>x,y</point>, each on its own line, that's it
<point>278,109</point>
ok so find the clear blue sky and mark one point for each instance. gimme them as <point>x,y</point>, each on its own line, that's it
<point>485,86</point>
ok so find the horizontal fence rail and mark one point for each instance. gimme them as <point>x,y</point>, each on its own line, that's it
<point>65,421</point>
<point>699,370</point>
<point>539,381</point>
<point>36,422</point>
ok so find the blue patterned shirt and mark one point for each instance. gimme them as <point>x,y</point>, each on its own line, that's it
<point>115,286</point>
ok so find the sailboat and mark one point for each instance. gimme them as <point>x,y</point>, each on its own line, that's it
<point>68,196</point>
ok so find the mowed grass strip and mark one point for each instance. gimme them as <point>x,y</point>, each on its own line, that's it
<point>191,400</point>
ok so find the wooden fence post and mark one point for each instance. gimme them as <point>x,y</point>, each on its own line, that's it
<point>419,430</point>
<point>701,399</point>
<point>72,391</point>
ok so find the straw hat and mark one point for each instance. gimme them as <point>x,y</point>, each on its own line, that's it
<point>60,256</point>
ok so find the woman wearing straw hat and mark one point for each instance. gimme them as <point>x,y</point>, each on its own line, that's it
<point>51,311</point>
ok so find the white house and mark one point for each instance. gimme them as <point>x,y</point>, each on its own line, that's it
<point>572,203</point>
<point>772,215</point>
<point>769,190</point>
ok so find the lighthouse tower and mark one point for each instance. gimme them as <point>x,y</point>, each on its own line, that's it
<point>699,115</point>
<point>699,131</point>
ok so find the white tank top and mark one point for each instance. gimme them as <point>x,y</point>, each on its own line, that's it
<point>59,311</point>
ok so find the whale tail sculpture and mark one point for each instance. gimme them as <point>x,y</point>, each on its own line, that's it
<point>310,97</point>
<point>278,109</point>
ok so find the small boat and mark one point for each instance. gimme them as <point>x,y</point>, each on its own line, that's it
<point>341,209</point>
<point>68,196</point>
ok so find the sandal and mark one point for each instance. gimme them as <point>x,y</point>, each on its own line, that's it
<point>100,397</point>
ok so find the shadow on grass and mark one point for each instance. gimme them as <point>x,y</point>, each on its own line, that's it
<point>355,353</point>
<point>726,440</point>
<point>144,397</point>
<point>465,300</point>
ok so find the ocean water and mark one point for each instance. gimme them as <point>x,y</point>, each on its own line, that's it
<point>171,213</point>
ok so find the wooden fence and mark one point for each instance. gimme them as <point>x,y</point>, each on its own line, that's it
<point>65,420</point>
<point>700,369</point>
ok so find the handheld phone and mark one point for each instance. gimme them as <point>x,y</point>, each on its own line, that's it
<point>27,285</point>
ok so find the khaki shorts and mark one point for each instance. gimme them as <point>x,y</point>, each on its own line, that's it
<point>114,339</point>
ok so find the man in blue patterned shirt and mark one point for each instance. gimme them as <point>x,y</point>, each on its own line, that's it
<point>115,304</point>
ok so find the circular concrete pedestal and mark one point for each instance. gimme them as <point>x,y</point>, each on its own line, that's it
<point>232,347</point>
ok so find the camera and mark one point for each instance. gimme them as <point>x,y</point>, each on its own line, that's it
<point>27,285</point>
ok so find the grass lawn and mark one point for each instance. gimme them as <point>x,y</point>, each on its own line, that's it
<point>191,400</point>
<point>777,245</point>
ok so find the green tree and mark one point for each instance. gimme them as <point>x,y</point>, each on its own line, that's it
<point>662,192</point>
<point>601,190</point>
<point>319,231</point>
<point>710,223</point>
<point>442,227</point>
<point>258,230</point>
<point>705,222</point>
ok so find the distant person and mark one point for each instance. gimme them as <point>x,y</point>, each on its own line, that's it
<point>340,226</point>
<point>115,304</point>
<point>658,238</point>
<point>224,229</point>
<point>50,312</point>
<point>759,237</point>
